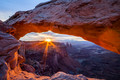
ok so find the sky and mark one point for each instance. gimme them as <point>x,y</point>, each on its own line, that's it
<point>54,36</point>
<point>9,7</point>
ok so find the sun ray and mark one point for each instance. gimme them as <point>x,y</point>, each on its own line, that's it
<point>55,46</point>
<point>48,42</point>
<point>39,43</point>
<point>45,55</point>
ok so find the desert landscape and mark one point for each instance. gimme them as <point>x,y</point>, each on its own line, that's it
<point>61,40</point>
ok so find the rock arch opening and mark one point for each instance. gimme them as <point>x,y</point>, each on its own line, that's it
<point>50,57</point>
<point>75,56</point>
<point>94,20</point>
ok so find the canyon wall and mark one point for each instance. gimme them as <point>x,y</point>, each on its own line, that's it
<point>8,52</point>
<point>94,20</point>
<point>12,55</point>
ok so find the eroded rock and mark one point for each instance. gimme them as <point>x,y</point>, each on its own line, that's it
<point>94,20</point>
<point>64,76</point>
<point>8,55</point>
<point>4,69</point>
<point>28,68</point>
<point>6,28</point>
<point>8,51</point>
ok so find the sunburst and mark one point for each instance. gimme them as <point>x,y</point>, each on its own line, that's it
<point>49,42</point>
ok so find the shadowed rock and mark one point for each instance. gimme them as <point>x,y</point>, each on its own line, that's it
<point>8,51</point>
<point>8,55</point>
<point>27,68</point>
<point>6,28</point>
<point>4,68</point>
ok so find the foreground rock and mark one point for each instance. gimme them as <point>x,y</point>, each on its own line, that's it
<point>8,51</point>
<point>64,76</point>
<point>58,76</point>
<point>94,20</point>
<point>8,54</point>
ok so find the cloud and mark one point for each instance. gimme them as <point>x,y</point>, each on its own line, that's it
<point>9,7</point>
<point>55,36</point>
<point>4,15</point>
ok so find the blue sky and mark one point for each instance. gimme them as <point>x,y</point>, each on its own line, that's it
<point>9,7</point>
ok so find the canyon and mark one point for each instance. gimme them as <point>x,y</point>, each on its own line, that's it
<point>94,20</point>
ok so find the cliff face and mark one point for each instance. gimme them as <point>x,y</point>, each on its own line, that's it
<point>8,52</point>
<point>94,20</point>
<point>11,58</point>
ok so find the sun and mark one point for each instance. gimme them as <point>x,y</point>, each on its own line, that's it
<point>48,40</point>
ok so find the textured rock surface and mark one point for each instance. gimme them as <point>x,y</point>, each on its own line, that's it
<point>27,68</point>
<point>23,75</point>
<point>10,60</point>
<point>94,20</point>
<point>6,28</point>
<point>8,51</point>
<point>64,76</point>
<point>58,76</point>
<point>21,51</point>
<point>8,55</point>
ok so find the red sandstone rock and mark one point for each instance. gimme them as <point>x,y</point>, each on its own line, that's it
<point>21,52</point>
<point>95,20</point>
<point>4,68</point>
<point>8,55</point>
<point>8,51</point>
<point>64,76</point>
<point>6,28</point>
<point>27,68</point>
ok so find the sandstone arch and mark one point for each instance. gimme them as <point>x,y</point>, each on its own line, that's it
<point>96,21</point>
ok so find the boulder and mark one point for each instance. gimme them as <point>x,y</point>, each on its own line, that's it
<point>64,76</point>
<point>27,67</point>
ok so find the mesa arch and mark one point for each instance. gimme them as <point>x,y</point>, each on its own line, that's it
<point>96,21</point>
